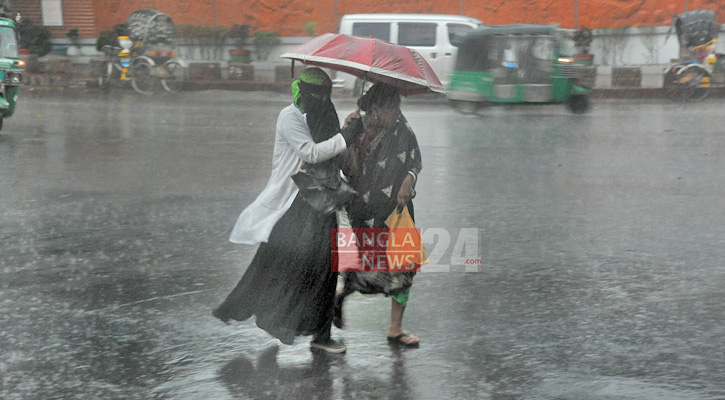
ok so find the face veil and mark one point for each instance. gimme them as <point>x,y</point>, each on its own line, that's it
<point>321,114</point>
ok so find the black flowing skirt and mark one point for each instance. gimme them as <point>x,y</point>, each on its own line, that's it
<point>289,285</point>
<point>378,282</point>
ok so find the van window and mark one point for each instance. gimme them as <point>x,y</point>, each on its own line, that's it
<point>417,34</point>
<point>378,30</point>
<point>456,33</point>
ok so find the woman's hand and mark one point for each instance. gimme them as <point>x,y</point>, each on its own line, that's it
<point>351,166</point>
<point>352,128</point>
<point>353,115</point>
<point>405,193</point>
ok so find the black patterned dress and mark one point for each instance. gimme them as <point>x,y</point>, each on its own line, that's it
<point>384,162</point>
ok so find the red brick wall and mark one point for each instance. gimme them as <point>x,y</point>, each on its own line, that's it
<point>76,14</point>
<point>289,16</point>
<point>29,10</point>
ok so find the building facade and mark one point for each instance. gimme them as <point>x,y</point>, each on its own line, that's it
<point>289,17</point>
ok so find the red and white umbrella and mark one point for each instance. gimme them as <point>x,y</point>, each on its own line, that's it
<point>371,59</point>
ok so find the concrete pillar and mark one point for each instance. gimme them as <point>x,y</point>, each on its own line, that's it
<point>652,76</point>
<point>604,77</point>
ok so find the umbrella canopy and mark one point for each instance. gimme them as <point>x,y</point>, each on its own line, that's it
<point>371,59</point>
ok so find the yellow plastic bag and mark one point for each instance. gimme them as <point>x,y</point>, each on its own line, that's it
<point>404,223</point>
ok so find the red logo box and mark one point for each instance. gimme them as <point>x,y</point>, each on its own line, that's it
<point>376,250</point>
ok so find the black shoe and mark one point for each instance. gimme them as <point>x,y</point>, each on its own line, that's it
<point>221,317</point>
<point>329,345</point>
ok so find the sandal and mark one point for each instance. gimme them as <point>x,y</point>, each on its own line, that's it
<point>404,339</point>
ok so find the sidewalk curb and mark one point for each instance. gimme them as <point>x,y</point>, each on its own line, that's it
<point>63,71</point>
<point>64,81</point>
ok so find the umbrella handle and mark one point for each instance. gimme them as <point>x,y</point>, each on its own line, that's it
<point>292,71</point>
<point>362,88</point>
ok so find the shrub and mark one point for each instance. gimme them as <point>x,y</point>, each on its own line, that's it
<point>105,38</point>
<point>239,34</point>
<point>110,38</point>
<point>74,36</point>
<point>37,39</point>
<point>264,41</point>
<point>209,40</point>
<point>583,39</point>
<point>311,28</point>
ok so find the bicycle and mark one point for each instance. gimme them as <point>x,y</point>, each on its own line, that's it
<point>699,67</point>
<point>142,71</point>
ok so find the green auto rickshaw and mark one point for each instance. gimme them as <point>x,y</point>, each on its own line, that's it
<point>11,68</point>
<point>516,64</point>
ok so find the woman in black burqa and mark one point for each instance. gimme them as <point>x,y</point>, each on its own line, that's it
<point>289,285</point>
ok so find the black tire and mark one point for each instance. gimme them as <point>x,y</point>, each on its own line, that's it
<point>672,91</point>
<point>466,107</point>
<point>142,80</point>
<point>177,76</point>
<point>104,79</point>
<point>578,104</point>
<point>695,84</point>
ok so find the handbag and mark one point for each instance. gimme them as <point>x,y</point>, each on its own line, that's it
<point>323,188</point>
<point>404,224</point>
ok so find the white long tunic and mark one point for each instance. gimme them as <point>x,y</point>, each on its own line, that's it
<point>293,145</point>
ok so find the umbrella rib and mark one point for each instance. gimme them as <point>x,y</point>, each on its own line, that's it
<point>407,78</point>
<point>358,66</point>
<point>330,61</point>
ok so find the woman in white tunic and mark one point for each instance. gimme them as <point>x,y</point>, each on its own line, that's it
<point>289,285</point>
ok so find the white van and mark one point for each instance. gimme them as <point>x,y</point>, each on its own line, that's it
<point>432,35</point>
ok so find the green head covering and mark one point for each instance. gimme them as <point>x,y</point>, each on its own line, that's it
<point>315,76</point>
<point>312,80</point>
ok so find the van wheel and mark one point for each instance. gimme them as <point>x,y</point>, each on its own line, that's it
<point>578,104</point>
<point>466,107</point>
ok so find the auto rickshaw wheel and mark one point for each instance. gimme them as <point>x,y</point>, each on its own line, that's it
<point>672,91</point>
<point>466,107</point>
<point>578,104</point>
<point>687,83</point>
<point>143,80</point>
<point>695,83</point>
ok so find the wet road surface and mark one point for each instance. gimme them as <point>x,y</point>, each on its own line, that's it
<point>601,241</point>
